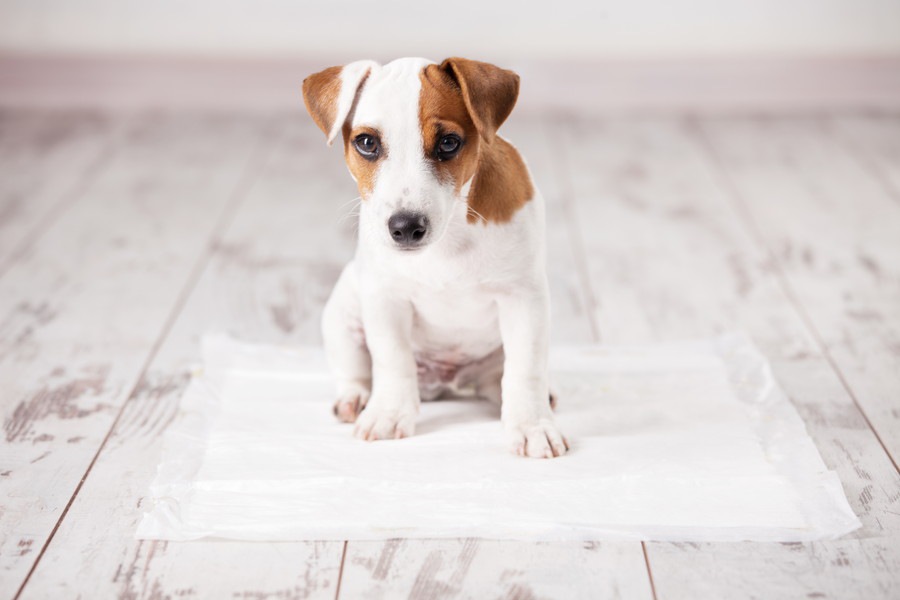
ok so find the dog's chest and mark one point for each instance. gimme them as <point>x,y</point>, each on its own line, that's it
<point>461,321</point>
<point>452,332</point>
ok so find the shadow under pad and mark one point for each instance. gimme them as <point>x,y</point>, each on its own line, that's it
<point>682,442</point>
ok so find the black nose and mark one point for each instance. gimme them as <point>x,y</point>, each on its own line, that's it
<point>408,228</point>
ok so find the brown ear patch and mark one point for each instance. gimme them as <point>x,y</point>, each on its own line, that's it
<point>488,91</point>
<point>320,95</point>
<point>501,184</point>
<point>442,112</point>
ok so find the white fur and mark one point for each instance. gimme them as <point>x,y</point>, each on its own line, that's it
<point>469,311</point>
<point>351,76</point>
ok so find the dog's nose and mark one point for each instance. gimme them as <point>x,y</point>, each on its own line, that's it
<point>408,228</point>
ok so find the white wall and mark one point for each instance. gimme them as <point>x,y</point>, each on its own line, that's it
<point>482,28</point>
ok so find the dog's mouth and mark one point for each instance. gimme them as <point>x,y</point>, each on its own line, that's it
<point>412,249</point>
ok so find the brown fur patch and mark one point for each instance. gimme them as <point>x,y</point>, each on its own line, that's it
<point>442,112</point>
<point>488,91</point>
<point>501,185</point>
<point>320,95</point>
<point>364,171</point>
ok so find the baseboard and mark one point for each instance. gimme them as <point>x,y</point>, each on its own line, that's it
<point>615,86</point>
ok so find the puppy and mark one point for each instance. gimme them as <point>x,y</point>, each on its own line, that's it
<point>448,289</point>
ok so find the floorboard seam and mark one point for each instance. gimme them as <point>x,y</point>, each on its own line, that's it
<point>578,247</point>
<point>337,590</point>
<point>649,570</point>
<point>254,166</point>
<point>739,205</point>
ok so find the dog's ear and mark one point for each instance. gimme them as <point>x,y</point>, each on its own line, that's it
<point>489,92</point>
<point>331,95</point>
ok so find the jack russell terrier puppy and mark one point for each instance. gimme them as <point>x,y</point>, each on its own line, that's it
<point>448,289</point>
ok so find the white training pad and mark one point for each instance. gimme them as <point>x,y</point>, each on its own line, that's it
<point>688,441</point>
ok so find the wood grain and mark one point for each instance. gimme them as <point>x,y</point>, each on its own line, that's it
<point>849,569</point>
<point>793,181</point>
<point>670,258</point>
<point>47,160</point>
<point>81,311</point>
<point>266,279</point>
<point>429,569</point>
<point>658,228</point>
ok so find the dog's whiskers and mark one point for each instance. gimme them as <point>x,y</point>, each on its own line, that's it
<point>352,212</point>
<point>472,211</point>
<point>357,199</point>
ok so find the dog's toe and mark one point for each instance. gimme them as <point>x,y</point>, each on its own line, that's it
<point>348,406</point>
<point>541,439</point>
<point>384,425</point>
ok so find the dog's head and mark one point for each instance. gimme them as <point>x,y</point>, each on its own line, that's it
<point>419,139</point>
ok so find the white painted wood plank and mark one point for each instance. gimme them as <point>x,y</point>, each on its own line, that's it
<point>834,232</point>
<point>267,280</point>
<point>204,569</point>
<point>568,298</point>
<point>280,310</point>
<point>81,310</point>
<point>45,161</point>
<point>486,569</point>
<point>875,142</point>
<point>669,258</point>
<point>493,569</point>
<point>861,569</point>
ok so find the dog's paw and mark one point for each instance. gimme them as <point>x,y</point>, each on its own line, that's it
<point>375,423</point>
<point>537,439</point>
<point>349,404</point>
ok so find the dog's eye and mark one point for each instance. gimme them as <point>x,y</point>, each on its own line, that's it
<point>448,146</point>
<point>367,145</point>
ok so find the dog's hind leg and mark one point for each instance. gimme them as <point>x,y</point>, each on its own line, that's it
<point>485,376</point>
<point>345,346</point>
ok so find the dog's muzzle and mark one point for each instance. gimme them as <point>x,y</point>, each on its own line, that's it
<point>408,229</point>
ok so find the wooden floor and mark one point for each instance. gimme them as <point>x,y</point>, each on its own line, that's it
<point>125,237</point>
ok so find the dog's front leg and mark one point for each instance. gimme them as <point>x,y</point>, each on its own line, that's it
<point>394,402</point>
<point>525,412</point>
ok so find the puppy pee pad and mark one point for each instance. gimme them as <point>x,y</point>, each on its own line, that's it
<point>686,442</point>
